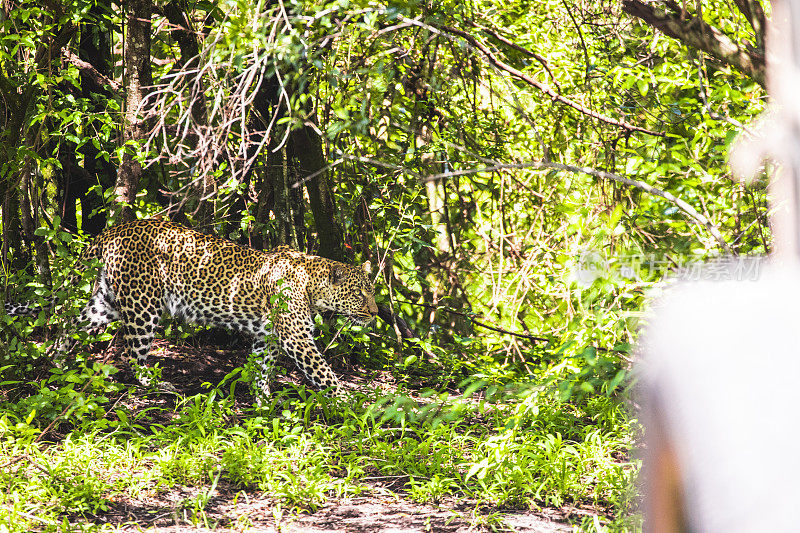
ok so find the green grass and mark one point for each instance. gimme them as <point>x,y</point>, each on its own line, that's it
<point>515,451</point>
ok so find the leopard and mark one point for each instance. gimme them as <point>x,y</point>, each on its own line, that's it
<point>153,267</point>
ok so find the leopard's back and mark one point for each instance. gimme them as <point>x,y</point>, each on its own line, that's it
<point>197,277</point>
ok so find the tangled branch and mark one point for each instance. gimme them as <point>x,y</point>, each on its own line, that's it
<point>203,135</point>
<point>695,32</point>
<point>518,74</point>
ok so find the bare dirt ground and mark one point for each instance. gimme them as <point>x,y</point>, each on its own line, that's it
<point>378,510</point>
<point>383,507</point>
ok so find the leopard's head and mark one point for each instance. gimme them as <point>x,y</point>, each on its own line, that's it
<point>348,290</point>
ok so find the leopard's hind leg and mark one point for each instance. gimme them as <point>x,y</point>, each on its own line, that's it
<point>140,300</point>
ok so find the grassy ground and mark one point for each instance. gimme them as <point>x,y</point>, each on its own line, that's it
<point>496,458</point>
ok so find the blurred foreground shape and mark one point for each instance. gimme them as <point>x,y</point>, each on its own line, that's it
<point>721,359</point>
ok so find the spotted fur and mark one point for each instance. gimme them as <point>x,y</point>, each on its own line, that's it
<point>153,267</point>
<point>23,309</point>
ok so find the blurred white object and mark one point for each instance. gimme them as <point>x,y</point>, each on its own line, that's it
<point>721,360</point>
<point>721,373</point>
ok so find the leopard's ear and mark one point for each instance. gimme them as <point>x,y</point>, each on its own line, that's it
<point>367,267</point>
<point>338,273</point>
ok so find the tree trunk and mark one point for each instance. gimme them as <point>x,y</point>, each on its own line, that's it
<point>281,205</point>
<point>185,36</point>
<point>297,207</point>
<point>259,237</point>
<point>17,101</point>
<point>29,225</point>
<point>12,234</point>
<point>137,77</point>
<point>265,105</point>
<point>73,183</point>
<point>307,148</point>
<point>95,49</point>
<point>434,190</point>
<point>444,283</point>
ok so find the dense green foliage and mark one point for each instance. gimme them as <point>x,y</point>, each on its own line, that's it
<point>512,167</point>
<point>302,452</point>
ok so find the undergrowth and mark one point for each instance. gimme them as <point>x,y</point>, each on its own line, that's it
<point>501,448</point>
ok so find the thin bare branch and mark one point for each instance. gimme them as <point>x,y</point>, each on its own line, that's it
<point>681,204</point>
<point>206,134</point>
<point>696,216</point>
<point>88,69</point>
<point>490,56</point>
<point>519,48</point>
